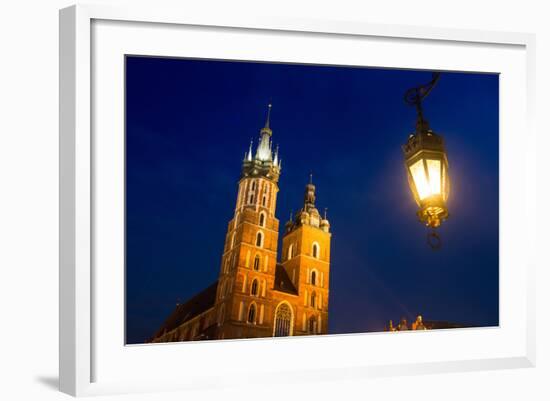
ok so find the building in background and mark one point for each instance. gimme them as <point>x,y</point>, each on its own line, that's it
<point>258,294</point>
<point>421,324</point>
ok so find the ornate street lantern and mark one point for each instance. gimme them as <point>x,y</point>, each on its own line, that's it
<point>427,166</point>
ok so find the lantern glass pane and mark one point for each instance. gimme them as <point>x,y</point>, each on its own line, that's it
<point>434,172</point>
<point>445,193</point>
<point>420,181</point>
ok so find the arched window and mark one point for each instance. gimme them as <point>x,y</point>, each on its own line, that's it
<point>257,263</point>
<point>259,239</point>
<point>254,288</point>
<point>251,200</point>
<point>233,260</point>
<point>264,200</point>
<point>290,252</point>
<point>252,313</point>
<point>283,321</point>
<point>313,277</point>
<point>253,185</point>
<point>228,287</point>
<point>315,250</point>
<point>262,219</point>
<point>313,299</point>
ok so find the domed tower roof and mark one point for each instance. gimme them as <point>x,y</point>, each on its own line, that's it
<point>308,214</point>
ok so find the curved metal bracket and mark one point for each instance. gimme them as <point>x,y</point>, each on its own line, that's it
<point>415,96</point>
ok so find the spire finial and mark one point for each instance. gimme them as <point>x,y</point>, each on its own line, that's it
<point>268,115</point>
<point>326,212</point>
<point>309,196</point>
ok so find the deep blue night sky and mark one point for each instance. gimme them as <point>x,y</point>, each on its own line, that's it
<point>189,123</point>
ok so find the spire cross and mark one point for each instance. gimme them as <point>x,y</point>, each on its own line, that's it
<point>326,212</point>
<point>311,177</point>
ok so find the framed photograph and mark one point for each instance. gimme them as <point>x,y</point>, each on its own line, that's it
<point>351,196</point>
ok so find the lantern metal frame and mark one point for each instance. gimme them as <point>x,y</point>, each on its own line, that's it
<point>423,145</point>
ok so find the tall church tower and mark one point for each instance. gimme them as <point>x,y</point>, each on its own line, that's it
<point>306,259</point>
<point>249,258</point>
<point>255,296</point>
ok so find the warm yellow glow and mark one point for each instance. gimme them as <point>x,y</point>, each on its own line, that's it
<point>427,185</point>
<point>420,181</point>
<point>434,172</point>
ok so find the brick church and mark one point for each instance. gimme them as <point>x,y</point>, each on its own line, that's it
<point>260,293</point>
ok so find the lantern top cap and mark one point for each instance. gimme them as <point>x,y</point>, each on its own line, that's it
<point>423,141</point>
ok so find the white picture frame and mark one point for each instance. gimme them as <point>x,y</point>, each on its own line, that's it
<point>82,342</point>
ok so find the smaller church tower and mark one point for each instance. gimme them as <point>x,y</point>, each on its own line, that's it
<point>306,259</point>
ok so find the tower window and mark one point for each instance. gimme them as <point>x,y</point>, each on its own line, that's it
<point>262,220</point>
<point>253,185</point>
<point>264,200</point>
<point>313,278</point>
<point>315,250</point>
<point>257,263</point>
<point>290,254</point>
<point>226,265</point>
<point>251,200</point>
<point>254,288</point>
<point>313,299</point>
<point>259,239</point>
<point>252,313</point>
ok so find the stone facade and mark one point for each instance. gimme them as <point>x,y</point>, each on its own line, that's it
<point>256,295</point>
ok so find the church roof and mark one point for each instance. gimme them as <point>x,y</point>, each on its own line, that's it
<point>206,299</point>
<point>283,283</point>
<point>200,303</point>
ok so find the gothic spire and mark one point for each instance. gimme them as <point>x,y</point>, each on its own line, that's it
<point>264,159</point>
<point>249,157</point>
<point>276,158</point>
<point>263,152</point>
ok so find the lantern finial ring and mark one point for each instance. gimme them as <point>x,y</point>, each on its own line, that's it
<point>434,240</point>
